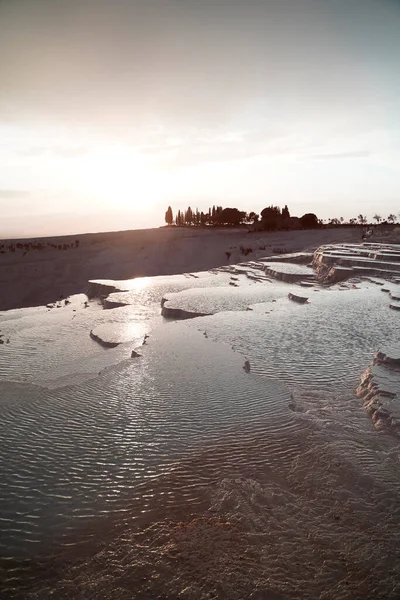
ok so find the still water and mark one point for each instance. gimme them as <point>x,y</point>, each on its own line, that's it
<point>94,441</point>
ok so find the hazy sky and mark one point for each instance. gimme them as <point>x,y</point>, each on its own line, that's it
<point>112,109</point>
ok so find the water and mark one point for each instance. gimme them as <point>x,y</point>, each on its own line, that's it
<point>278,478</point>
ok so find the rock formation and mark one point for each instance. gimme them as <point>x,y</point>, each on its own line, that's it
<point>380,390</point>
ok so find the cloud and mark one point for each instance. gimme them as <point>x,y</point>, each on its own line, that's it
<point>14,193</point>
<point>120,63</point>
<point>60,151</point>
<point>341,155</point>
<point>193,148</point>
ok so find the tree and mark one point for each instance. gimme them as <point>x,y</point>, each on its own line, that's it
<point>378,218</point>
<point>189,216</point>
<point>169,217</point>
<point>179,218</point>
<point>362,219</point>
<point>392,218</point>
<point>271,217</point>
<point>252,217</point>
<point>218,212</point>
<point>231,216</point>
<point>285,212</point>
<point>309,221</point>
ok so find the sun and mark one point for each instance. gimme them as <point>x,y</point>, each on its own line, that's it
<point>120,178</point>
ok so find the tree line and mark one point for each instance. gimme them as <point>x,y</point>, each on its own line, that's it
<point>27,246</point>
<point>270,218</point>
<point>219,216</point>
<point>362,220</point>
<point>214,216</point>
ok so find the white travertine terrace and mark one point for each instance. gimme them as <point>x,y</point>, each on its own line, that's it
<point>380,389</point>
<point>334,263</point>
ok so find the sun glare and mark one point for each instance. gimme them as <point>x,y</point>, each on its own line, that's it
<point>138,284</point>
<point>119,178</point>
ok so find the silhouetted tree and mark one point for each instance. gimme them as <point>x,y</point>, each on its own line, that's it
<point>309,221</point>
<point>218,212</point>
<point>252,217</point>
<point>362,219</point>
<point>392,218</point>
<point>271,217</point>
<point>189,216</point>
<point>285,212</point>
<point>180,218</point>
<point>231,216</point>
<point>378,218</point>
<point>169,217</point>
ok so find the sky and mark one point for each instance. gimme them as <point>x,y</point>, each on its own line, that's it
<point>111,110</point>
